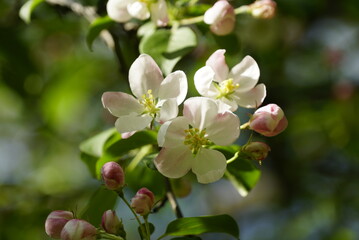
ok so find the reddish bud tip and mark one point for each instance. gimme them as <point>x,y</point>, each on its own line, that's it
<point>143,201</point>
<point>77,229</point>
<point>113,176</point>
<point>56,221</point>
<point>110,222</point>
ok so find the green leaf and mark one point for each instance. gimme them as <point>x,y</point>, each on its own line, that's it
<point>100,201</point>
<point>150,225</point>
<point>27,9</point>
<point>167,47</point>
<point>243,174</point>
<point>186,238</point>
<point>96,27</point>
<point>117,147</point>
<point>198,225</point>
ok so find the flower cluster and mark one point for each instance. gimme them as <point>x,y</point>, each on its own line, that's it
<point>186,141</point>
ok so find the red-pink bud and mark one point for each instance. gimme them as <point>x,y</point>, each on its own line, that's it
<point>268,120</point>
<point>110,222</point>
<point>257,150</point>
<point>113,176</point>
<point>221,17</point>
<point>56,221</point>
<point>263,8</point>
<point>77,229</point>
<point>143,201</point>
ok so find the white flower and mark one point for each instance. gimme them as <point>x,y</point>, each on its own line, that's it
<point>221,17</point>
<point>157,98</point>
<point>235,87</point>
<point>185,141</point>
<point>123,10</point>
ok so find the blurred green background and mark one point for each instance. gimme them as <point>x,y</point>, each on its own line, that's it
<point>50,90</point>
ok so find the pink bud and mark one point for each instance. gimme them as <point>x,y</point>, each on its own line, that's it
<point>221,17</point>
<point>56,221</point>
<point>77,229</point>
<point>143,201</point>
<point>110,222</point>
<point>113,176</point>
<point>263,8</point>
<point>257,150</point>
<point>268,120</point>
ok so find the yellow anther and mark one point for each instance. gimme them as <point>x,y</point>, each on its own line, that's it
<point>149,102</point>
<point>226,88</point>
<point>196,139</point>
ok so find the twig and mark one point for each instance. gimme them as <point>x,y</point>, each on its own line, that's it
<point>172,199</point>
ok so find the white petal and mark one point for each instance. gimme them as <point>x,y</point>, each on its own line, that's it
<point>159,14</point>
<point>203,81</point>
<point>174,86</point>
<point>225,104</point>
<point>246,74</point>
<point>209,165</point>
<point>200,111</point>
<point>172,134</point>
<point>144,75</point>
<point>131,123</point>
<point>117,10</point>
<point>216,12</point>
<point>224,129</point>
<point>174,162</point>
<point>168,111</point>
<point>253,98</point>
<point>120,104</point>
<point>138,10</point>
<point>218,63</point>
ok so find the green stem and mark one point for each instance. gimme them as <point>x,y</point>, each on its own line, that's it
<point>233,158</point>
<point>134,213</point>
<point>244,125</point>
<point>147,227</point>
<point>108,235</point>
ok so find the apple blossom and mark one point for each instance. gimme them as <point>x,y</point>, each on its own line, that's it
<point>157,98</point>
<point>143,201</point>
<point>77,229</point>
<point>110,223</point>
<point>257,150</point>
<point>185,141</point>
<point>221,17</point>
<point>234,87</point>
<point>268,120</point>
<point>263,8</point>
<point>56,221</point>
<point>113,176</point>
<point>123,10</point>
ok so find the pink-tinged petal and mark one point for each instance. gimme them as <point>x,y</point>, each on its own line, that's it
<point>174,86</point>
<point>221,17</point>
<point>120,104</point>
<point>159,14</point>
<point>224,104</point>
<point>145,75</point>
<point>139,10</point>
<point>246,74</point>
<point>253,98</point>
<point>131,123</point>
<point>168,111</point>
<point>203,81</point>
<point>172,134</point>
<point>174,162</point>
<point>209,165</point>
<point>224,130</point>
<point>127,134</point>
<point>218,63</point>
<point>200,111</point>
<point>117,10</point>
<point>216,12</point>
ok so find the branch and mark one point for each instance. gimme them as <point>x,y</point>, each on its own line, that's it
<point>172,199</point>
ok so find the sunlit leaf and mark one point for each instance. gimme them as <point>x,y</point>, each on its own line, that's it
<point>27,9</point>
<point>96,27</point>
<point>198,225</point>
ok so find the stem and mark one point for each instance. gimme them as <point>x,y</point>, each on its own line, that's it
<point>108,235</point>
<point>134,213</point>
<point>233,158</point>
<point>244,125</point>
<point>147,227</point>
<point>172,199</point>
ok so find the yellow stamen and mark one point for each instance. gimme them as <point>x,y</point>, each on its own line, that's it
<point>149,102</point>
<point>196,139</point>
<point>226,88</point>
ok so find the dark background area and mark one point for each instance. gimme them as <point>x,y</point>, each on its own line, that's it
<point>50,90</point>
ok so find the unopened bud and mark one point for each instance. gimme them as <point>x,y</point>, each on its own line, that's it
<point>110,223</point>
<point>113,176</point>
<point>221,17</point>
<point>263,8</point>
<point>143,201</point>
<point>56,221</point>
<point>77,229</point>
<point>257,150</point>
<point>268,120</point>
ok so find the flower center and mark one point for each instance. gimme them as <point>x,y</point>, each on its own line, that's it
<point>226,88</point>
<point>196,139</point>
<point>149,102</point>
